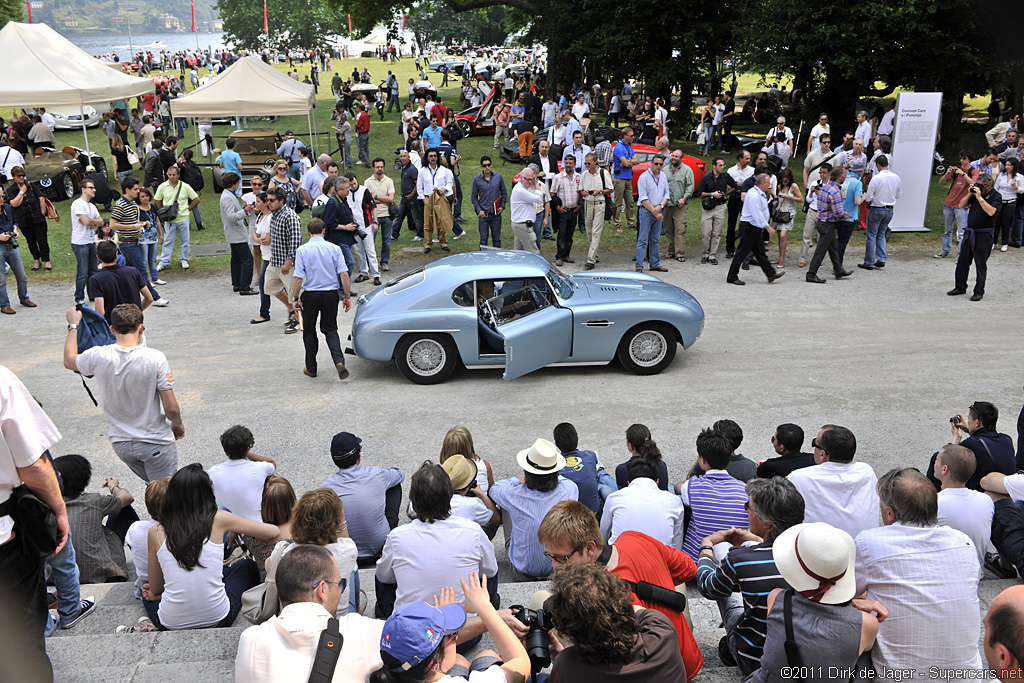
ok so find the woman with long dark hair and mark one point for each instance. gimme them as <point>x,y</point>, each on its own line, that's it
<point>640,444</point>
<point>789,198</point>
<point>189,586</point>
<point>1009,185</point>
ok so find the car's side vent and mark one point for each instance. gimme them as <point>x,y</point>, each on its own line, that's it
<point>608,288</point>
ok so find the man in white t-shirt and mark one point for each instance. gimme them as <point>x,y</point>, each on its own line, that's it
<point>310,586</point>
<point>9,158</point>
<point>962,508</point>
<point>238,482</point>
<point>820,128</point>
<point>137,392</point>
<point>85,218</point>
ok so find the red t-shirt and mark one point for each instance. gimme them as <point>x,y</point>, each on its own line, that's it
<point>363,122</point>
<point>642,558</point>
<point>959,188</point>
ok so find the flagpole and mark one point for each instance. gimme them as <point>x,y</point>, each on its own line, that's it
<point>194,28</point>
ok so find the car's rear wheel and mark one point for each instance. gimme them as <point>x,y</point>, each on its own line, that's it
<point>67,186</point>
<point>101,165</point>
<point>466,129</point>
<point>426,358</point>
<point>648,348</point>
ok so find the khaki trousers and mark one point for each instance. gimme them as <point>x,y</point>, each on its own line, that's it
<point>674,226</point>
<point>711,223</point>
<point>594,218</point>
<point>810,234</point>
<point>623,190</point>
<point>437,215</point>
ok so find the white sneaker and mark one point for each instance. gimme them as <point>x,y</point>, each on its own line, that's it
<point>158,281</point>
<point>161,266</point>
<point>417,239</point>
<point>436,240</point>
<point>460,236</point>
<point>184,265</point>
<point>161,302</point>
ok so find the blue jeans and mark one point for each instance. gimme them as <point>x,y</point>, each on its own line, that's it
<point>150,251</point>
<point>241,265</point>
<point>353,592</point>
<point>295,170</point>
<point>13,258</point>
<point>605,485</point>
<point>170,230</point>
<point>708,129</point>
<point>953,216</point>
<point>537,226</point>
<point>649,233</point>
<point>264,299</point>
<point>385,238</point>
<point>350,260</point>
<point>716,135</point>
<point>1017,231</point>
<point>347,146</point>
<point>457,206</point>
<point>121,175</point>
<point>85,255</point>
<point>133,257</point>
<point>199,219</point>
<point>490,226</point>
<point>65,580</point>
<point>874,247</point>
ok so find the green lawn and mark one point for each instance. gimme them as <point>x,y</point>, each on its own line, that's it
<point>384,138</point>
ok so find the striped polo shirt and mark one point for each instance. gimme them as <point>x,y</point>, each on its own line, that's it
<point>126,212</point>
<point>716,501</point>
<point>749,570</point>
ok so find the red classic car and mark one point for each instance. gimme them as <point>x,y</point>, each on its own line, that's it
<point>480,120</point>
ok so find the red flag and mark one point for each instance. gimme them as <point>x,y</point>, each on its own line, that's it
<point>265,29</point>
<point>28,3</point>
<point>403,22</point>
<point>193,16</point>
<point>350,26</point>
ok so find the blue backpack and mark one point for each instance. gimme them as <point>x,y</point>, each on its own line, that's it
<point>93,330</point>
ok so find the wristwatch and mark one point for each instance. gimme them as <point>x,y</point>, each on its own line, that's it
<point>706,547</point>
<point>72,326</point>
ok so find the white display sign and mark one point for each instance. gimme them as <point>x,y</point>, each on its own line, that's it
<point>917,126</point>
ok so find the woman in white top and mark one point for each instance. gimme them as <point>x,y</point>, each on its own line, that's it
<point>556,134</point>
<point>407,117</point>
<point>261,235</point>
<point>189,586</point>
<point>789,198</point>
<point>1009,185</point>
<point>458,441</point>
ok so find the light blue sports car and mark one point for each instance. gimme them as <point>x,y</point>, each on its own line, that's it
<point>514,310</point>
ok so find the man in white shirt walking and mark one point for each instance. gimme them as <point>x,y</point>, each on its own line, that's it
<point>525,194</point>
<point>837,490</point>
<point>883,191</point>
<point>926,578</point>
<point>753,219</point>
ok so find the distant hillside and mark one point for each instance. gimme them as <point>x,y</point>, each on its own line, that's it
<point>68,16</point>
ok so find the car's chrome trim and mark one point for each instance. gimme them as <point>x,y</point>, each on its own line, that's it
<point>553,365</point>
<point>404,331</point>
<point>598,323</point>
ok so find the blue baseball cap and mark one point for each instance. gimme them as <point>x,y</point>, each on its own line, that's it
<point>414,631</point>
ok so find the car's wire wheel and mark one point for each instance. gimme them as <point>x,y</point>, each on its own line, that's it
<point>648,348</point>
<point>426,357</point>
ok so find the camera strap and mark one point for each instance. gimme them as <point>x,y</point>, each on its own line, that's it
<point>328,650</point>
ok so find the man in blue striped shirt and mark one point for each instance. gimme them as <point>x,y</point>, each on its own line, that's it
<point>736,568</point>
<point>653,196</point>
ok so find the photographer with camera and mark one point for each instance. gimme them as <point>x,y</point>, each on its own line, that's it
<point>993,452</point>
<point>983,204</point>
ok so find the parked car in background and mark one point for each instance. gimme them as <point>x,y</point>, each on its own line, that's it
<point>258,149</point>
<point>434,317</point>
<point>480,120</point>
<point>56,174</point>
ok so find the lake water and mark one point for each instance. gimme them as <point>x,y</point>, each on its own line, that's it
<point>99,44</point>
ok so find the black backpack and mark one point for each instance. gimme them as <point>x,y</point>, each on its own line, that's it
<point>193,176</point>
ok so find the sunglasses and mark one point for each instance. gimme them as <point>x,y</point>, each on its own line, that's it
<point>659,163</point>
<point>342,584</point>
<point>485,165</point>
<point>815,444</point>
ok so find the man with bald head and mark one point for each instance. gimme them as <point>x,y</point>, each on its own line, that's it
<point>924,576</point>
<point>314,179</point>
<point>962,508</point>
<point>1004,634</point>
<point>525,194</point>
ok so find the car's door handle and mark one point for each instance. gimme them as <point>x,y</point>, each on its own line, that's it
<point>598,323</point>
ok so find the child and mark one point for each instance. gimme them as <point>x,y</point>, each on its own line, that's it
<point>104,233</point>
<point>136,538</point>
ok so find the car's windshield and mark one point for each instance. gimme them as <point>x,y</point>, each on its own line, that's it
<point>561,283</point>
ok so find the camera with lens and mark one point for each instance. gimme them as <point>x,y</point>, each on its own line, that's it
<point>539,622</point>
<point>955,420</point>
<point>362,233</point>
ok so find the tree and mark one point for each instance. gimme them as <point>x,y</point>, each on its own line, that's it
<point>439,24</point>
<point>11,10</point>
<point>292,24</point>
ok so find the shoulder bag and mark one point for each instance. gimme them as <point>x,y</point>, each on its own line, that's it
<point>168,213</point>
<point>34,522</point>
<point>51,210</point>
<point>260,603</point>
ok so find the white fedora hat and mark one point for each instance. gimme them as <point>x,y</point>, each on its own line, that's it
<point>817,560</point>
<point>541,458</point>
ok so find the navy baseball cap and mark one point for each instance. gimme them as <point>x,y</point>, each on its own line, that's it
<point>344,444</point>
<point>414,631</point>
<point>288,132</point>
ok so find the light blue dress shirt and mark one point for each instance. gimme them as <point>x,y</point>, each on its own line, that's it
<point>319,262</point>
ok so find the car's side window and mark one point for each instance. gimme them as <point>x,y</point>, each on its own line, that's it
<point>641,157</point>
<point>463,295</point>
<point>518,303</point>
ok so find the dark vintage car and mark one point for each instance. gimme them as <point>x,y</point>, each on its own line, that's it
<point>57,174</point>
<point>258,149</point>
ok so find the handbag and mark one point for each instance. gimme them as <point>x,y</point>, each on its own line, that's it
<point>34,521</point>
<point>168,213</point>
<point>260,603</point>
<point>783,217</point>
<point>133,158</point>
<point>51,210</point>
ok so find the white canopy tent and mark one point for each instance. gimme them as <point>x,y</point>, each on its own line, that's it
<point>249,87</point>
<point>44,69</point>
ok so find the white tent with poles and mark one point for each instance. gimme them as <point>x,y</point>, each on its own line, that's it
<point>44,69</point>
<point>249,87</point>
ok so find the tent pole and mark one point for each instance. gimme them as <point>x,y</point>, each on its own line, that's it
<point>312,134</point>
<point>85,131</point>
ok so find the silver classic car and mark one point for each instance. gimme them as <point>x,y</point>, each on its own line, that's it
<point>514,310</point>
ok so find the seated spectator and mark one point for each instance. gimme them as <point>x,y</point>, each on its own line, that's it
<point>310,586</point>
<point>372,496</point>
<point>1007,492</point>
<point>99,547</point>
<point>925,576</point>
<point>189,586</point>
<point>716,500</point>
<point>736,568</point>
<point>640,445</point>
<point>570,535</point>
<point>739,467</point>
<point>837,490</point>
<point>815,617</point>
<point>459,440</point>
<point>643,507</point>
<point>959,507</point>
<point>138,533</point>
<point>993,452</point>
<point>275,508</point>
<point>238,481</point>
<point>420,558</point>
<point>583,468</point>
<point>468,499</point>
<point>787,441</point>
<point>611,638</point>
<point>1004,634</point>
<point>418,642</point>
<point>525,501</point>
<point>318,518</point>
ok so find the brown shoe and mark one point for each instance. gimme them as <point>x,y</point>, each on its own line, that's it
<point>307,373</point>
<point>559,263</point>
<point>342,370</point>
<point>773,278</point>
<point>8,310</point>
<point>737,282</point>
<point>28,303</point>
<point>661,269</point>
<point>569,260</point>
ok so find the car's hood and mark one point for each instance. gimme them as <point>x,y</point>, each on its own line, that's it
<point>612,286</point>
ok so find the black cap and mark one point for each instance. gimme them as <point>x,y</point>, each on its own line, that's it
<point>344,445</point>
